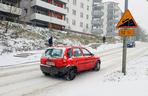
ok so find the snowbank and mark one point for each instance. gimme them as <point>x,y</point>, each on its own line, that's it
<point>19,58</point>
<point>104,47</point>
<point>113,84</point>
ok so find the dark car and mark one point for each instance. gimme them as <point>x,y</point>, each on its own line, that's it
<point>67,61</point>
<point>131,44</point>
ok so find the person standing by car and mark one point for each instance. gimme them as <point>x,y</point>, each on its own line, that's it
<point>50,41</point>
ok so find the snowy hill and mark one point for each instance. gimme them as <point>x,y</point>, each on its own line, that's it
<point>25,37</point>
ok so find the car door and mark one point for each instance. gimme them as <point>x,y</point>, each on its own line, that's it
<point>89,59</point>
<point>78,59</point>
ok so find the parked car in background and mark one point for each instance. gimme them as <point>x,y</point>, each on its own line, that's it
<point>131,41</point>
<point>67,61</point>
<point>131,44</point>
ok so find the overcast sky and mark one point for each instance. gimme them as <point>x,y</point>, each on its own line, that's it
<point>139,10</point>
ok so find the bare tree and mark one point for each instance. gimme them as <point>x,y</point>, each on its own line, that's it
<point>12,9</point>
<point>141,34</point>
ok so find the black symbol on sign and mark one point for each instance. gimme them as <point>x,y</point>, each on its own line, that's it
<point>128,23</point>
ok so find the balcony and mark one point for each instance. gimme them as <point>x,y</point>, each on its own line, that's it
<point>110,28</point>
<point>97,1</point>
<point>37,16</point>
<point>118,14</point>
<point>64,1</point>
<point>97,22</point>
<point>117,8</point>
<point>48,6</point>
<point>98,7</point>
<point>97,30</point>
<point>98,14</point>
<point>10,9</point>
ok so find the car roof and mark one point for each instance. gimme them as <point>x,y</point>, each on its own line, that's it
<point>67,47</point>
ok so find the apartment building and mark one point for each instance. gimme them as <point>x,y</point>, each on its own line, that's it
<point>79,15</point>
<point>97,17</point>
<point>105,17</point>
<point>73,15</point>
<point>112,14</point>
<point>10,10</point>
<point>44,13</point>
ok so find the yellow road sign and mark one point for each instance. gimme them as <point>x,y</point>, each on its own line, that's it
<point>127,21</point>
<point>129,32</point>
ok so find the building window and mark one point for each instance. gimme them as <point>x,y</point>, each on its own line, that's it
<point>87,7</point>
<point>67,9</point>
<point>87,16</point>
<point>67,20</point>
<point>73,12</point>
<point>81,24</point>
<point>81,15</point>
<point>73,22</point>
<point>81,5</point>
<point>87,26</point>
<point>74,2</point>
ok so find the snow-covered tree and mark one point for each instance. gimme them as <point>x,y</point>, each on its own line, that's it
<point>141,34</point>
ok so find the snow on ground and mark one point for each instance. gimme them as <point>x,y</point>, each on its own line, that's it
<point>20,58</point>
<point>113,83</point>
<point>135,69</point>
<point>135,83</point>
<point>34,56</point>
<point>109,46</point>
<point>104,47</point>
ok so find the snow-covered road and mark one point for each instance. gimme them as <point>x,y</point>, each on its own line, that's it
<point>27,80</point>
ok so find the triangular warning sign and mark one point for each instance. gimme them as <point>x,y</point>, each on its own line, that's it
<point>127,21</point>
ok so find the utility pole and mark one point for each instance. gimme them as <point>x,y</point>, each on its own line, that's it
<point>124,46</point>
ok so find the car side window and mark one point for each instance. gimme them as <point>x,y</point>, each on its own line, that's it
<point>86,52</point>
<point>77,52</point>
<point>69,53</point>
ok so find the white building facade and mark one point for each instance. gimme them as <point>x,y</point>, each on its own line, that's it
<point>97,17</point>
<point>112,15</point>
<point>72,15</point>
<point>105,18</point>
<point>10,10</point>
<point>45,13</point>
<point>79,15</point>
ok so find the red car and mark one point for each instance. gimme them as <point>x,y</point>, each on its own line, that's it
<point>67,61</point>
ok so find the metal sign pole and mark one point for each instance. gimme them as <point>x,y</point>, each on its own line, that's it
<point>124,46</point>
<point>124,55</point>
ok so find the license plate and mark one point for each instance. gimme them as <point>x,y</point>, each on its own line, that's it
<point>50,63</point>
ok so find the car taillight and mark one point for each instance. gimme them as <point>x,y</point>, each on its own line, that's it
<point>43,60</point>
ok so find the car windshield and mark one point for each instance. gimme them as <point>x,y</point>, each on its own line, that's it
<point>54,52</point>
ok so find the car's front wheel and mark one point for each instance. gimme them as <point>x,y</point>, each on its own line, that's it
<point>70,75</point>
<point>97,66</point>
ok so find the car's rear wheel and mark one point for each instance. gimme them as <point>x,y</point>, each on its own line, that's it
<point>46,74</point>
<point>97,66</point>
<point>70,75</point>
